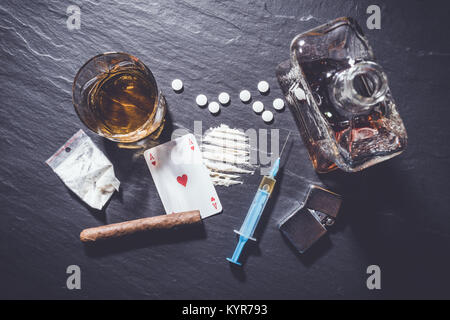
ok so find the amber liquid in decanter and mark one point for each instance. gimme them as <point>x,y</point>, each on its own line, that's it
<point>345,112</point>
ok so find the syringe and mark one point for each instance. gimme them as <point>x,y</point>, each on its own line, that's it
<point>256,209</point>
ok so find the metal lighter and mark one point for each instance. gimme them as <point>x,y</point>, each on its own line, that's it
<point>307,224</point>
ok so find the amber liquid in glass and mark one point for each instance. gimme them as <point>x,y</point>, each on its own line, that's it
<point>122,102</point>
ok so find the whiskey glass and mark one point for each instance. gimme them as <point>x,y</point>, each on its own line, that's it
<point>116,96</point>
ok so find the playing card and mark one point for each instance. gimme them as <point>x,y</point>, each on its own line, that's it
<point>181,178</point>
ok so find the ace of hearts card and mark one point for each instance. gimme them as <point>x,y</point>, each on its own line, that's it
<point>181,178</point>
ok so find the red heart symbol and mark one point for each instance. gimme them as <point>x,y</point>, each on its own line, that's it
<point>182,180</point>
<point>192,148</point>
<point>152,158</point>
<point>213,202</point>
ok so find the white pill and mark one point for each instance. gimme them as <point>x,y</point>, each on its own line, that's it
<point>263,86</point>
<point>245,96</point>
<point>267,116</point>
<point>278,104</point>
<point>224,98</point>
<point>258,106</point>
<point>177,85</point>
<point>201,100</point>
<point>214,107</point>
<point>300,94</point>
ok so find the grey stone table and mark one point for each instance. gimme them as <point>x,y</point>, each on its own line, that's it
<point>395,215</point>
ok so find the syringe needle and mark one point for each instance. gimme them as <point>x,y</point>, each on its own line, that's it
<point>285,142</point>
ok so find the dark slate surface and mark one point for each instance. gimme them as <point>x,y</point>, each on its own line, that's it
<point>395,215</point>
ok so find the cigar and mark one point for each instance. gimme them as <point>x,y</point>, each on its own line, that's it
<point>163,222</point>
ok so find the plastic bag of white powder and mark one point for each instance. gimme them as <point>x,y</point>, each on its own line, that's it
<point>85,170</point>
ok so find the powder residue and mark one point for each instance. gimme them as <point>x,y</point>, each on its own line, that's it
<point>226,154</point>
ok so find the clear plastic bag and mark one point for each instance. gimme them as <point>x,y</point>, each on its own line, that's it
<point>85,170</point>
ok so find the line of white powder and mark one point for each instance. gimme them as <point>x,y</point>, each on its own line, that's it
<point>226,155</point>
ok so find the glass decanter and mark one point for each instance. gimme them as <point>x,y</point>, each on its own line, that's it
<point>340,98</point>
